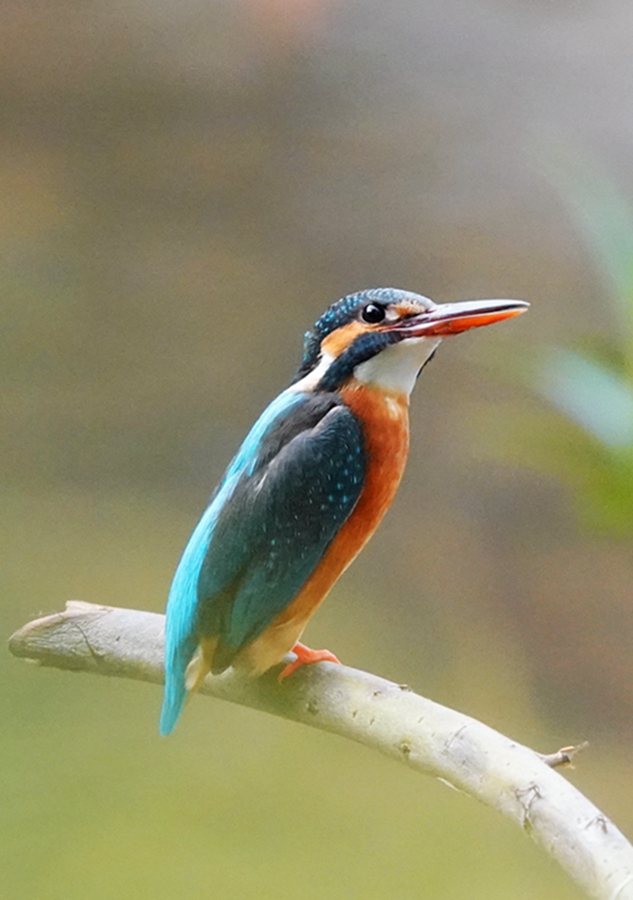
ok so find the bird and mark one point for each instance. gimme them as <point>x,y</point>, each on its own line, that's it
<point>306,489</point>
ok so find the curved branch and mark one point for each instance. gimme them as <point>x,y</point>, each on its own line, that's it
<point>388,717</point>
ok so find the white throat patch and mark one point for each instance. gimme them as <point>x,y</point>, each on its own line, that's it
<point>396,368</point>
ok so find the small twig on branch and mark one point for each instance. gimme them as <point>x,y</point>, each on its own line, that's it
<point>563,758</point>
<point>391,718</point>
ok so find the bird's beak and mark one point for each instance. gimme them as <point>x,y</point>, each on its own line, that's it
<point>451,318</point>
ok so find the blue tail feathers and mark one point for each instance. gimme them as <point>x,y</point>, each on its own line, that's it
<point>173,702</point>
<point>181,637</point>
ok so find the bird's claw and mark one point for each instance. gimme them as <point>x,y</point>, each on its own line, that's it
<point>305,656</point>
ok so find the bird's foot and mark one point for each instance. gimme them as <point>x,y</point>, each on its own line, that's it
<point>305,655</point>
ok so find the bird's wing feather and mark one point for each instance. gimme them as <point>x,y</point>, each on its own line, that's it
<point>181,638</point>
<point>209,567</point>
<point>278,522</point>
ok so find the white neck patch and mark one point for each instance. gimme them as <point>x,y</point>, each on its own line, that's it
<point>310,381</point>
<point>396,367</point>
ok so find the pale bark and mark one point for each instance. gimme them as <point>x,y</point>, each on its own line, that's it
<point>390,718</point>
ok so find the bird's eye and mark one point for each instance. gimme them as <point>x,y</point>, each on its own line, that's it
<point>373,313</point>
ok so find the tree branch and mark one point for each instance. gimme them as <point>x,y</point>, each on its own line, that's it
<point>390,718</point>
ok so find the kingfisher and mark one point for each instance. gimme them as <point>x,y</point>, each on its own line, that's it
<point>306,490</point>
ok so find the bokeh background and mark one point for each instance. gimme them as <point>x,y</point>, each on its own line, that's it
<point>184,187</point>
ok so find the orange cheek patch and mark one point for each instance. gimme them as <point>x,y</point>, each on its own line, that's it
<point>408,309</point>
<point>334,344</point>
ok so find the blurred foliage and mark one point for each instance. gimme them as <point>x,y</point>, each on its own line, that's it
<point>586,437</point>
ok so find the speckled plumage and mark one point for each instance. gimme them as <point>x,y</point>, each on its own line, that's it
<point>280,520</point>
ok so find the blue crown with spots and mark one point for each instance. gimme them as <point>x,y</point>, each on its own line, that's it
<point>338,314</point>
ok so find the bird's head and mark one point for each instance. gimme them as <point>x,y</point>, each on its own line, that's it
<point>384,336</point>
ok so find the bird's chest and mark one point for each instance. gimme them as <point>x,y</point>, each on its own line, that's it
<point>385,420</point>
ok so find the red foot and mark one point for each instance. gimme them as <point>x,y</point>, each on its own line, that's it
<point>306,655</point>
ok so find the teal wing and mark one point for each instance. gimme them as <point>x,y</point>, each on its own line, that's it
<point>276,527</point>
<point>291,486</point>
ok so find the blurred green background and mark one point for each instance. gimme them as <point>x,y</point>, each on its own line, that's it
<point>184,187</point>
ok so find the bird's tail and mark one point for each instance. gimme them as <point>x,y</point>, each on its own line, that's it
<point>174,699</point>
<point>180,646</point>
<point>181,682</point>
<point>181,629</point>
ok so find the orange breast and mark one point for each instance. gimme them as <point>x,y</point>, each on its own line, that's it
<point>385,419</point>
